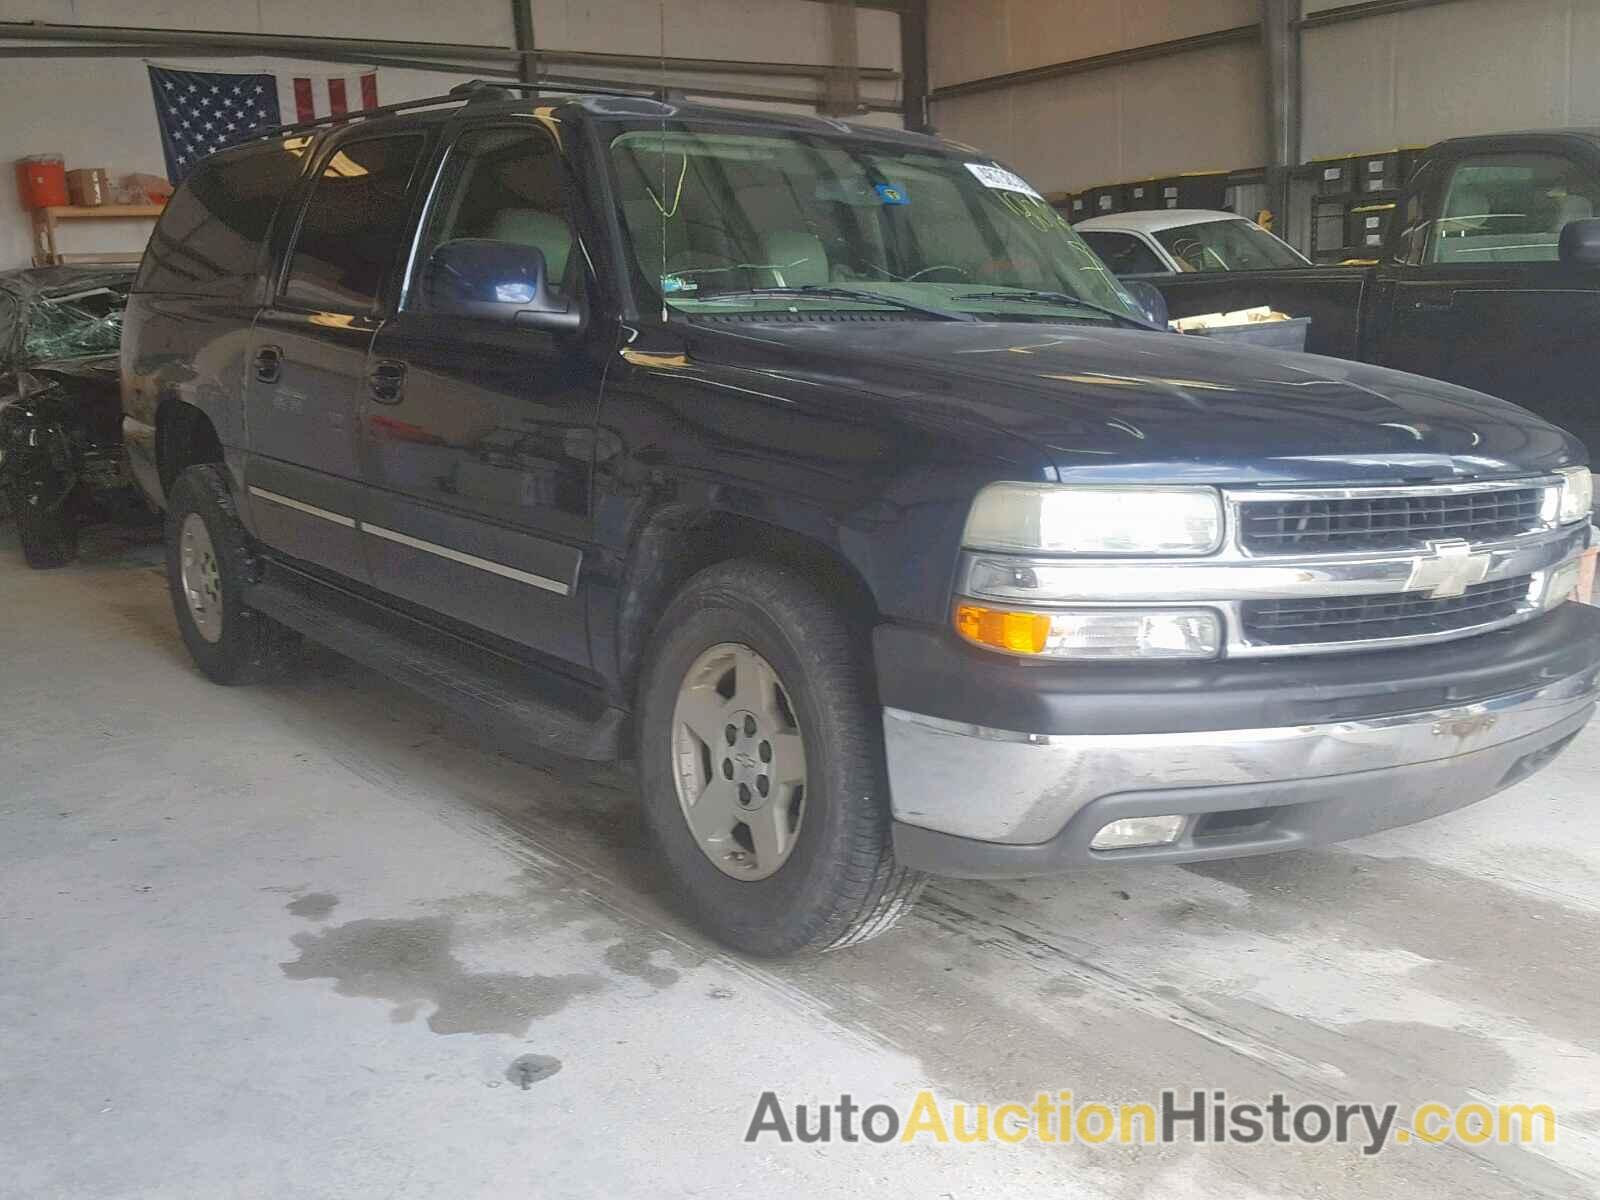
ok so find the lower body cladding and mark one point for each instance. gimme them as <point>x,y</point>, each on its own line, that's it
<point>1140,772</point>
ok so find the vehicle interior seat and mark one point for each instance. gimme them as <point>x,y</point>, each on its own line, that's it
<point>546,231</point>
<point>1572,208</point>
<point>795,257</point>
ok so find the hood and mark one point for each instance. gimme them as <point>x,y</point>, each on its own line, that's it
<point>1113,405</point>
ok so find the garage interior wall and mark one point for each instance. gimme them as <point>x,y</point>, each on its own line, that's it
<point>97,111</point>
<point>1376,82</point>
<point>1198,111</point>
<point>1413,77</point>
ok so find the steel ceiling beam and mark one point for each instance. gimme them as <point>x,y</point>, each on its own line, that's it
<point>297,46</point>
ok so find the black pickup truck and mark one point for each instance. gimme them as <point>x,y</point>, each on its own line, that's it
<point>824,472</point>
<point>1490,277</point>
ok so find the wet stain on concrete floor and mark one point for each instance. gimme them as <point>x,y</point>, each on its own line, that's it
<point>529,1069</point>
<point>633,957</point>
<point>410,962</point>
<point>313,907</point>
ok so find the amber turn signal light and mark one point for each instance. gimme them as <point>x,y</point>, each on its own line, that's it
<point>1002,629</point>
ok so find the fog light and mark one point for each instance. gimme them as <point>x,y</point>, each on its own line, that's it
<point>1105,633</point>
<point>1563,582</point>
<point>1139,831</point>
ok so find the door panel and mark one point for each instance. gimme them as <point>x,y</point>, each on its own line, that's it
<point>302,475</point>
<point>307,366</point>
<point>478,431</point>
<point>485,454</point>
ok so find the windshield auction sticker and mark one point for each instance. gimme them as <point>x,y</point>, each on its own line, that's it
<point>1198,1117</point>
<point>992,175</point>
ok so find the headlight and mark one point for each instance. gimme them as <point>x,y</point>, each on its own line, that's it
<point>1115,634</point>
<point>1056,519</point>
<point>1577,494</point>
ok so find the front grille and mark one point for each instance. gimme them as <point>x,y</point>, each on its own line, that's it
<point>1402,522</point>
<point>1367,618</point>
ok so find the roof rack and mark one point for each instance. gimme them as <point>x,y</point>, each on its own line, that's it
<point>474,91</point>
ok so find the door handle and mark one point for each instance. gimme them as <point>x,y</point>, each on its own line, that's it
<point>387,380</point>
<point>269,363</point>
<point>1433,306</point>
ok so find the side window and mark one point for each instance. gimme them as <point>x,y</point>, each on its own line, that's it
<point>208,241</point>
<point>1501,208</point>
<point>1123,253</point>
<point>506,185</point>
<point>353,225</point>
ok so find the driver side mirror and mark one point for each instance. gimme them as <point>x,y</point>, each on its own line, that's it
<point>498,281</point>
<point>1580,243</point>
<point>1149,299</point>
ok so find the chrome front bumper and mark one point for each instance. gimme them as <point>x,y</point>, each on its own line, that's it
<point>973,801</point>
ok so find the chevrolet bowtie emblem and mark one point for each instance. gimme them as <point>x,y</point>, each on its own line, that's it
<point>1449,571</point>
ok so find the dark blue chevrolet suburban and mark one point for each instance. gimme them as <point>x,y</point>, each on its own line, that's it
<point>824,472</point>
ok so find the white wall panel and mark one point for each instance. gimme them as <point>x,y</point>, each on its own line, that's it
<point>1200,111</point>
<point>1471,66</point>
<point>751,30</point>
<point>974,39</point>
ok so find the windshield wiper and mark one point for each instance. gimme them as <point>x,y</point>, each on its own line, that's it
<point>827,291</point>
<point>1060,298</point>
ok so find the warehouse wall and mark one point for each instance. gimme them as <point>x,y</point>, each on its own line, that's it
<point>1471,66</point>
<point>98,111</point>
<point>1402,79</point>
<point>1199,111</point>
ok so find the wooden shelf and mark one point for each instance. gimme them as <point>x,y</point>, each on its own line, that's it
<point>47,253</point>
<point>76,212</point>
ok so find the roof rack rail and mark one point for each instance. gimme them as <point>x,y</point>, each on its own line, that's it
<point>474,91</point>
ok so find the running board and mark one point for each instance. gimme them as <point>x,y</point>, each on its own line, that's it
<point>515,704</point>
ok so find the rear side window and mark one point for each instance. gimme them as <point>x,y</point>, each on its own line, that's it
<point>354,223</point>
<point>208,241</point>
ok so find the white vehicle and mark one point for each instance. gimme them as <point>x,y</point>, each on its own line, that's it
<point>1184,240</point>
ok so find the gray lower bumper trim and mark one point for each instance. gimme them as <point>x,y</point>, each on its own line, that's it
<point>1023,792</point>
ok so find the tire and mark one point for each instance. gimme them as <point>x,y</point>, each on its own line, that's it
<point>836,883</point>
<point>49,537</point>
<point>230,642</point>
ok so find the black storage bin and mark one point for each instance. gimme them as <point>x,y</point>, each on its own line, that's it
<point>1103,200</point>
<point>1144,195</point>
<point>1209,190</point>
<point>1385,172</point>
<point>1332,176</point>
<point>1368,227</point>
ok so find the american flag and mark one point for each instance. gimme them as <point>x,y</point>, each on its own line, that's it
<point>203,111</point>
<point>333,95</point>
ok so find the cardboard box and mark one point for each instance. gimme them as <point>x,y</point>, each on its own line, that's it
<point>89,187</point>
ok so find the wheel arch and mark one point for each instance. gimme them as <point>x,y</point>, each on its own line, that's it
<point>679,541</point>
<point>185,437</point>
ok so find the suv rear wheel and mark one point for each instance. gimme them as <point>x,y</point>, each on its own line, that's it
<point>208,568</point>
<point>761,766</point>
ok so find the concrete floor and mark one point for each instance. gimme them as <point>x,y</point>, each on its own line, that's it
<point>301,940</point>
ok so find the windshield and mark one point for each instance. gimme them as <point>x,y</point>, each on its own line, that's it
<point>75,324</point>
<point>714,215</point>
<point>1232,245</point>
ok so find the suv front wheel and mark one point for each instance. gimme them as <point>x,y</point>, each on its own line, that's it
<point>208,568</point>
<point>761,766</point>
